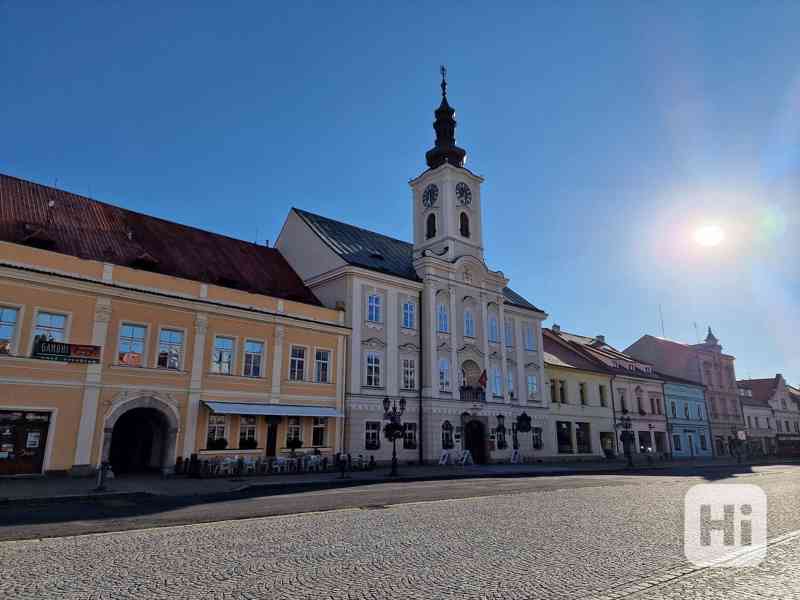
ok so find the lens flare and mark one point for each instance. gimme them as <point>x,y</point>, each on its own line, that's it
<point>709,235</point>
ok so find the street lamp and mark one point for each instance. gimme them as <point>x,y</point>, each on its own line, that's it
<point>627,437</point>
<point>394,428</point>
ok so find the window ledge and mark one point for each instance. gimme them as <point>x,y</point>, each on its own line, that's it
<point>303,381</point>
<point>39,360</point>
<point>123,367</point>
<point>236,377</point>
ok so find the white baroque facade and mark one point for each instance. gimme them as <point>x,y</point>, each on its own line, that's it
<point>431,322</point>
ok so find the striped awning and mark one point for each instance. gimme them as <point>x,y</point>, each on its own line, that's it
<point>272,410</point>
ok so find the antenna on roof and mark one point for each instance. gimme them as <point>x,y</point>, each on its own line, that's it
<point>696,333</point>
<point>661,315</point>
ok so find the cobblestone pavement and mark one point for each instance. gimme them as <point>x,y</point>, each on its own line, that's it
<point>556,543</point>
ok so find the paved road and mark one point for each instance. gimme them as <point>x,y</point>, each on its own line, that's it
<point>568,537</point>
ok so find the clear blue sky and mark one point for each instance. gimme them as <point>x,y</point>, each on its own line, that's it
<point>607,132</point>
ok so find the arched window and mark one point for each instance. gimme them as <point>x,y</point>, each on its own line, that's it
<point>493,332</point>
<point>430,226</point>
<point>442,319</point>
<point>464,223</point>
<point>469,324</point>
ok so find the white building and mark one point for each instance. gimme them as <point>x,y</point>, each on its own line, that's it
<point>431,322</point>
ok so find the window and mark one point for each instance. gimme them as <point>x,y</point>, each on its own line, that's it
<point>464,225</point>
<point>700,412</point>
<point>783,404</point>
<point>509,332</point>
<point>583,438</point>
<point>297,364</point>
<point>170,349</point>
<point>674,408</point>
<point>537,438</point>
<point>533,386</point>
<point>319,431</point>
<point>603,395</point>
<point>8,328</point>
<point>787,426</point>
<point>447,435</point>
<point>442,320</point>
<point>758,423</point>
<point>623,405</point>
<point>497,381</point>
<point>410,436</point>
<point>372,435</point>
<point>797,426</point>
<point>469,324</point>
<point>676,442</point>
<point>322,362</point>
<point>510,383</point>
<point>247,430</point>
<point>430,226</point>
<point>444,374</point>
<point>253,357</point>
<point>530,337</point>
<point>52,326</point>
<point>222,358</point>
<point>131,344</point>
<point>562,391</point>
<point>216,428</point>
<point>409,374</point>
<point>564,437</point>
<point>749,421</point>
<point>408,315</point>
<point>373,369</point>
<point>703,443</point>
<point>374,308</point>
<point>686,410</point>
<point>582,393</point>
<point>640,405</point>
<point>553,396</point>
<point>493,331</point>
<point>293,429</point>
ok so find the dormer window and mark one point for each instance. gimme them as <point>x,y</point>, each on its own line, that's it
<point>430,226</point>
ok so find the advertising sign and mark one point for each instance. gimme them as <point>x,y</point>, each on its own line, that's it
<point>76,353</point>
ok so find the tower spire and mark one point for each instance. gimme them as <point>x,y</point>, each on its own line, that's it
<point>444,149</point>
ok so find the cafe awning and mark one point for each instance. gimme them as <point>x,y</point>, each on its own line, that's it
<point>271,410</point>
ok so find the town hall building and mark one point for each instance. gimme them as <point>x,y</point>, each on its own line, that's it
<point>432,323</point>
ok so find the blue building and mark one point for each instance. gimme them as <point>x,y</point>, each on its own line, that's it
<point>687,418</point>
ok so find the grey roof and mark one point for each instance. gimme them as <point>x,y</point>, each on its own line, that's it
<point>377,252</point>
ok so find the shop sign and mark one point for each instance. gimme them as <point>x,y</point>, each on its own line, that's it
<point>75,353</point>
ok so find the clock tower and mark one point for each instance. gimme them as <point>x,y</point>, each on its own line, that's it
<point>446,197</point>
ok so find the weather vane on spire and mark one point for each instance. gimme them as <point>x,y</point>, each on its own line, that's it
<point>443,71</point>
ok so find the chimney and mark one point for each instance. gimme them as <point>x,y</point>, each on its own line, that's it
<point>601,338</point>
<point>556,328</point>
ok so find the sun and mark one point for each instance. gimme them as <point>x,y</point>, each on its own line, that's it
<point>709,235</point>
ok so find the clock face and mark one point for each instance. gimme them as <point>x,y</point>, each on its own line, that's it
<point>430,195</point>
<point>463,194</point>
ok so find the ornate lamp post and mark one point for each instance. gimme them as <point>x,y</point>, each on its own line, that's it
<point>627,437</point>
<point>393,430</point>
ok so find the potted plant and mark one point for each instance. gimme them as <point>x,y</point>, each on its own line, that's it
<point>248,444</point>
<point>293,444</point>
<point>217,444</point>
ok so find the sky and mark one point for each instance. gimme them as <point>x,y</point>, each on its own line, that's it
<point>607,132</point>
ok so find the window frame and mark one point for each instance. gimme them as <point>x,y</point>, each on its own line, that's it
<point>404,370</point>
<point>378,307</point>
<point>535,384</point>
<point>329,362</point>
<point>369,432</point>
<point>262,362</point>
<point>410,427</point>
<point>412,312</point>
<point>294,424</point>
<point>445,383</point>
<point>145,341</point>
<point>291,363</point>
<point>469,323</point>
<point>243,427</point>
<point>376,355</point>
<point>234,346</point>
<point>182,361</point>
<point>493,334</point>
<point>508,332</point>
<point>530,337</point>
<point>497,382</point>
<point>224,426</point>
<point>315,427</point>
<point>13,346</point>
<point>442,318</point>
<point>55,311</point>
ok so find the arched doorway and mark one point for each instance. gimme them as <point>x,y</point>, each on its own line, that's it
<point>141,435</point>
<point>475,440</point>
<point>138,441</point>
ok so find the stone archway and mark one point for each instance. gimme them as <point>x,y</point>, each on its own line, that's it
<point>164,420</point>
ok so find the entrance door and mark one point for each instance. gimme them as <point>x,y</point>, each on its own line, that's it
<point>272,438</point>
<point>23,437</point>
<point>475,441</point>
<point>138,441</point>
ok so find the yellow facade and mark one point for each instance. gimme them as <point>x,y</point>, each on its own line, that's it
<point>119,308</point>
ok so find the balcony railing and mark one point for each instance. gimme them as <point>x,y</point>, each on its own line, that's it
<point>472,394</point>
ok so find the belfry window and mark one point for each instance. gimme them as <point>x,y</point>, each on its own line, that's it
<point>464,224</point>
<point>430,226</point>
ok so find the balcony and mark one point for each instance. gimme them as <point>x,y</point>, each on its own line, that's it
<point>471,394</point>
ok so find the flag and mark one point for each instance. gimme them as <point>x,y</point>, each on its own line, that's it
<point>483,379</point>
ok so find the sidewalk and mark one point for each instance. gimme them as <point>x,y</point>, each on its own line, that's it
<point>66,488</point>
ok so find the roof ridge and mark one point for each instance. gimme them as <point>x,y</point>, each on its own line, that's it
<point>364,229</point>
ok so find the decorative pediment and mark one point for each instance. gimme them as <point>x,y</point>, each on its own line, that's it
<point>409,347</point>
<point>472,348</point>
<point>511,361</point>
<point>531,365</point>
<point>494,354</point>
<point>444,345</point>
<point>374,342</point>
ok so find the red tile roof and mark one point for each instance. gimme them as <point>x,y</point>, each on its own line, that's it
<point>762,389</point>
<point>93,230</point>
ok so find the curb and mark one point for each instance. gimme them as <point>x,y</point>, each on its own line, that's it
<point>43,500</point>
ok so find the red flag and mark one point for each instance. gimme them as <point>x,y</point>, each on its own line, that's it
<point>483,379</point>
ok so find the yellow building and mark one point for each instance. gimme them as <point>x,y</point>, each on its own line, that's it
<point>130,339</point>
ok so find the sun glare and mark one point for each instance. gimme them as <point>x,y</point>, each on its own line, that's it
<point>709,235</point>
